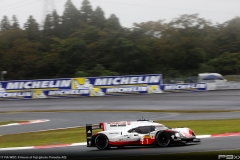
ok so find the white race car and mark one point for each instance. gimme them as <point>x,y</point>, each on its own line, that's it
<point>141,132</point>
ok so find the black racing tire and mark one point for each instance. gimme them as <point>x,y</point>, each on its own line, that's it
<point>102,142</point>
<point>163,139</point>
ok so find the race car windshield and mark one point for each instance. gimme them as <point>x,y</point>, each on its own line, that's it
<point>147,129</point>
<point>160,127</point>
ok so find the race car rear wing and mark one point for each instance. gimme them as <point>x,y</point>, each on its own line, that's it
<point>89,129</point>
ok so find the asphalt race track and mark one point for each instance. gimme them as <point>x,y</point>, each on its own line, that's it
<point>72,119</point>
<point>214,100</point>
<point>211,100</point>
<point>84,152</point>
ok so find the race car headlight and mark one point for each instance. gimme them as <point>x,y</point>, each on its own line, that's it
<point>177,135</point>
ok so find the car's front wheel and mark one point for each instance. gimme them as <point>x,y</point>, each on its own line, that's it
<point>102,142</point>
<point>163,139</point>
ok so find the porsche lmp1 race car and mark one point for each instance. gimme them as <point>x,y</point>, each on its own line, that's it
<point>137,133</point>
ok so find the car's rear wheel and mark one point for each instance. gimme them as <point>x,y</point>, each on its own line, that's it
<point>163,139</point>
<point>102,142</point>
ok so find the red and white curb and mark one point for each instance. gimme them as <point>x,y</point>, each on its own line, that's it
<point>26,122</point>
<point>85,143</point>
<point>219,135</point>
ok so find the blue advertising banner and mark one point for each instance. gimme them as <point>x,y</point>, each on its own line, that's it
<point>190,87</point>
<point>28,89</point>
<point>75,87</point>
<point>120,85</point>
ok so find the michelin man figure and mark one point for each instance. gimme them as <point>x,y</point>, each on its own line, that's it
<point>2,89</point>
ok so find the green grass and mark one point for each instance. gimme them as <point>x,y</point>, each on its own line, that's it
<point>62,136</point>
<point>207,126</point>
<point>164,111</point>
<point>75,135</point>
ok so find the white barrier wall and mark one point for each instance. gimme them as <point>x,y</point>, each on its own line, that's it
<point>211,86</point>
<point>227,85</point>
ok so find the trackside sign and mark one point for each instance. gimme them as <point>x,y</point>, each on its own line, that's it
<point>132,80</point>
<point>77,87</point>
<point>131,84</point>
<point>184,87</point>
<point>38,84</point>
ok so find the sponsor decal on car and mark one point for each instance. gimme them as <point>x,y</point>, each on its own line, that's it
<point>118,124</point>
<point>114,133</point>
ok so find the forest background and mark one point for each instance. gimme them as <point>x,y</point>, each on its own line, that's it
<point>84,43</point>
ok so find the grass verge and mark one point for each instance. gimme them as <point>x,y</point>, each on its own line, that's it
<point>207,126</point>
<point>75,135</point>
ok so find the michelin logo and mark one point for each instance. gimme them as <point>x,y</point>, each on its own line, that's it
<point>127,89</point>
<point>185,86</point>
<point>68,92</point>
<point>38,84</point>
<point>127,80</point>
<point>15,95</point>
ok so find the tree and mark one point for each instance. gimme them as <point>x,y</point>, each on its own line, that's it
<point>228,36</point>
<point>48,65</point>
<point>227,63</point>
<point>91,34</point>
<point>3,50</point>
<point>5,23</point>
<point>80,74</point>
<point>70,19</point>
<point>48,26</point>
<point>152,29</point>
<point>184,41</point>
<point>123,56</point>
<point>86,11</point>
<point>100,70</point>
<point>56,22</point>
<point>69,53</point>
<point>113,22</point>
<point>32,29</point>
<point>21,56</point>
<point>98,18</point>
<point>84,43</point>
<point>15,24</point>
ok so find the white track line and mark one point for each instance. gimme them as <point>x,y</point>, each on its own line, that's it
<point>204,136</point>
